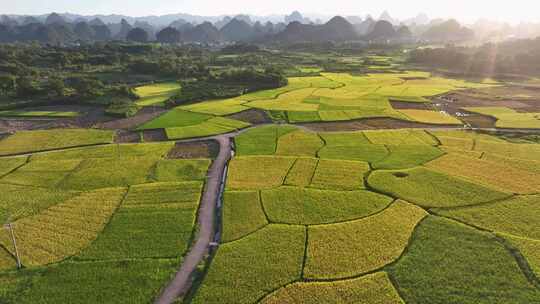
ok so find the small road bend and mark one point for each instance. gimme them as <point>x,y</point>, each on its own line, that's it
<point>206,222</point>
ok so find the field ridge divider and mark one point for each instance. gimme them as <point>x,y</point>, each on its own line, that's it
<point>27,160</point>
<point>304,260</point>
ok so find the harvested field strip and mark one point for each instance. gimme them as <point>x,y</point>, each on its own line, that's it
<point>363,245</point>
<point>521,151</point>
<point>84,215</point>
<point>339,175</point>
<point>530,249</point>
<point>405,156</point>
<point>302,206</point>
<point>492,174</point>
<point>242,214</point>
<point>45,140</point>
<point>22,201</point>
<point>429,188</point>
<point>274,255</point>
<point>258,172</point>
<point>302,172</point>
<point>299,143</point>
<point>517,216</point>
<point>466,266</point>
<point>373,288</point>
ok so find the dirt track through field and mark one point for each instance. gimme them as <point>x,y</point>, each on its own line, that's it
<point>206,221</point>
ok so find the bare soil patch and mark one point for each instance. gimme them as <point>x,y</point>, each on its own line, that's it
<point>198,149</point>
<point>252,116</point>
<point>369,124</point>
<point>154,135</point>
<point>403,105</point>
<point>144,115</point>
<point>125,136</point>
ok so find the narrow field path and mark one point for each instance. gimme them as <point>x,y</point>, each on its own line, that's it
<point>206,222</point>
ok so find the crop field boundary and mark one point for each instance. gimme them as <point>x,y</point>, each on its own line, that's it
<point>54,150</point>
<point>26,161</point>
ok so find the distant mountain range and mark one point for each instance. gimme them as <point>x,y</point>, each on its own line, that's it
<point>70,28</point>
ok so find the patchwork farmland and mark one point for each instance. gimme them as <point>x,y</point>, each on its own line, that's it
<point>335,188</point>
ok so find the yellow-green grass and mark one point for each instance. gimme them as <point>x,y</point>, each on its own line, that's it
<point>399,137</point>
<point>9,164</point>
<point>339,175</point>
<point>38,113</point>
<point>212,126</point>
<point>258,172</point>
<point>7,262</point>
<point>260,140</point>
<point>349,249</point>
<point>517,216</point>
<point>302,172</point>
<point>530,249</point>
<point>374,288</point>
<point>246,270</point>
<point>509,118</point>
<point>42,173</point>
<point>492,174</point>
<point>304,206</point>
<point>115,282</point>
<point>299,143</point>
<point>242,214</point>
<point>217,107</point>
<point>521,151</point>
<point>522,164</point>
<point>155,94</point>
<point>108,151</point>
<point>407,156</point>
<point>43,140</point>
<point>430,188</point>
<point>109,172</point>
<point>22,201</point>
<point>431,117</point>
<point>64,229</point>
<point>154,221</point>
<point>175,118</point>
<point>303,116</point>
<point>172,170</point>
<point>447,262</point>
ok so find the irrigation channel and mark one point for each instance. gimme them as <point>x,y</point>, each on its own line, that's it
<point>207,236</point>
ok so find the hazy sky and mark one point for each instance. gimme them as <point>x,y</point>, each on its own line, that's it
<point>467,10</point>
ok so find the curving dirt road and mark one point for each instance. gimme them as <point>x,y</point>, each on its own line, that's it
<point>206,217</point>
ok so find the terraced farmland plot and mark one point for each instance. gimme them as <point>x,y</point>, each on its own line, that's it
<point>431,117</point>
<point>303,206</point>
<point>242,214</point>
<point>39,113</point>
<point>172,170</point>
<point>339,175</point>
<point>212,126</point>
<point>491,174</point>
<point>517,216</point>
<point>42,173</point>
<point>261,140</point>
<point>509,118</point>
<point>9,164</point>
<point>175,118</point>
<point>363,245</point>
<point>217,107</point>
<point>258,172</point>
<point>302,172</point>
<point>429,188</point>
<point>156,94</point>
<point>274,255</point>
<point>42,140</point>
<point>7,261</point>
<point>22,201</point>
<point>521,164</point>
<point>155,220</point>
<point>520,151</point>
<point>370,289</point>
<point>400,137</point>
<point>465,266</point>
<point>64,229</point>
<point>299,143</point>
<point>405,156</point>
